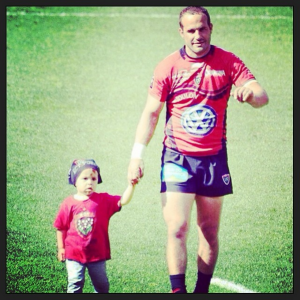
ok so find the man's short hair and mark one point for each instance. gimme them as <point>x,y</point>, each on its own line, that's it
<point>194,10</point>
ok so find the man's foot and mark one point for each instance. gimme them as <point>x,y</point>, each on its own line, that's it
<point>178,291</point>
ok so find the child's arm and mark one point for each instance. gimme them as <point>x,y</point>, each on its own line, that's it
<point>60,236</point>
<point>127,195</point>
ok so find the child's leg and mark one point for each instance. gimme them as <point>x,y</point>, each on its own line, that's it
<point>75,276</point>
<point>97,272</point>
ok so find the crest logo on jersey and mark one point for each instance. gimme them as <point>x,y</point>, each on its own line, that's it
<point>198,79</point>
<point>199,120</point>
<point>226,178</point>
<point>84,223</point>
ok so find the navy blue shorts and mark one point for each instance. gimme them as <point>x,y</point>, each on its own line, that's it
<point>205,175</point>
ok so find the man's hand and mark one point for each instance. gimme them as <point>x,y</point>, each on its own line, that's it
<point>135,170</point>
<point>242,94</point>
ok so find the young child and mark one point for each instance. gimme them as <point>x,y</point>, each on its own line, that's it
<point>82,227</point>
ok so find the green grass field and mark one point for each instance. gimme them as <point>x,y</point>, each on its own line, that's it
<point>76,85</point>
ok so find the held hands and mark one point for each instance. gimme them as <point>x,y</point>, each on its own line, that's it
<point>242,94</point>
<point>135,170</point>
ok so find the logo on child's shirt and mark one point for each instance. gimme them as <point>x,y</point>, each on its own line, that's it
<point>84,223</point>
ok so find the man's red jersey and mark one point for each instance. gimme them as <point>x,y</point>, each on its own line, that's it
<point>196,92</point>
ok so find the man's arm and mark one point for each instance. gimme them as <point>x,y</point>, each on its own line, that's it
<point>144,133</point>
<point>253,93</point>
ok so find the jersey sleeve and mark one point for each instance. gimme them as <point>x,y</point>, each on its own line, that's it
<point>160,83</point>
<point>61,221</point>
<point>240,73</point>
<point>112,202</point>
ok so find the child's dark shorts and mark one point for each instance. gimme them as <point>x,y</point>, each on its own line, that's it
<point>205,175</point>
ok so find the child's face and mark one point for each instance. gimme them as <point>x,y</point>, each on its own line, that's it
<point>86,182</point>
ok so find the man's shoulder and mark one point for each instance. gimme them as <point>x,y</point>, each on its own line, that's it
<point>216,50</point>
<point>171,59</point>
<point>220,53</point>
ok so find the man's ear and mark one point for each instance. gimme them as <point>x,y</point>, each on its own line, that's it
<point>180,30</point>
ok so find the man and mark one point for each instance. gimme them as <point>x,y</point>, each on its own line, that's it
<point>195,83</point>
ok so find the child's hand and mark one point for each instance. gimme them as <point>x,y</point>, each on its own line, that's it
<point>61,254</point>
<point>135,171</point>
<point>127,195</point>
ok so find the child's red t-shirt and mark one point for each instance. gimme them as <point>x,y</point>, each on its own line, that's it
<point>86,225</point>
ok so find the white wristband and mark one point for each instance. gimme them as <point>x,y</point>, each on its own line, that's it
<point>138,150</point>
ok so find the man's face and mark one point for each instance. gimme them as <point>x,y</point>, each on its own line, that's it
<point>196,34</point>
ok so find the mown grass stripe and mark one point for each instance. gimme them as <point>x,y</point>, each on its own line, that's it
<point>137,15</point>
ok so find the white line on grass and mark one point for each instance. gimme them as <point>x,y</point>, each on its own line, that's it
<point>135,15</point>
<point>231,286</point>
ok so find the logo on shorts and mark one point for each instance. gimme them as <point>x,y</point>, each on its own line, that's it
<point>226,178</point>
<point>174,173</point>
<point>198,120</point>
